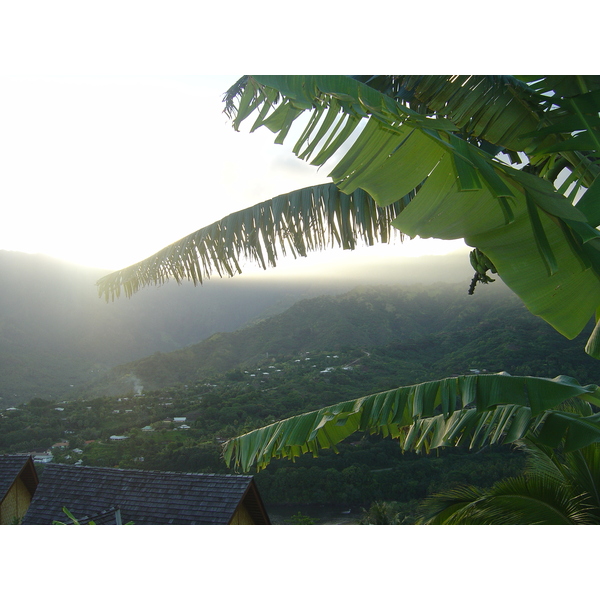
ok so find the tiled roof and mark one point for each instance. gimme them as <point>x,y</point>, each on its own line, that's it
<point>11,466</point>
<point>144,497</point>
<point>112,516</point>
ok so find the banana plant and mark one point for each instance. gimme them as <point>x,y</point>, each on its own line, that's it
<point>473,410</point>
<point>509,164</point>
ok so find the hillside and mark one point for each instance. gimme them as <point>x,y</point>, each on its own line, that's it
<point>318,352</point>
<point>56,334</point>
<point>414,333</point>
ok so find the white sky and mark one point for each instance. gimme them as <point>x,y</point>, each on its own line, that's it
<point>104,171</point>
<point>113,142</point>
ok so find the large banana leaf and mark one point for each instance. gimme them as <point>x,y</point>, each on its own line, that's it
<point>429,134</point>
<point>473,409</point>
<point>302,221</point>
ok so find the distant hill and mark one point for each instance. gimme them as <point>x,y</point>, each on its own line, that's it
<point>419,332</point>
<point>56,334</point>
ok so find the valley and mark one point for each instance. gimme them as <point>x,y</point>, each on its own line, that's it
<point>172,410</point>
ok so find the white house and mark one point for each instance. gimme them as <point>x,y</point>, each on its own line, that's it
<point>42,457</point>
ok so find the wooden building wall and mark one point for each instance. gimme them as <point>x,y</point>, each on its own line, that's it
<point>15,503</point>
<point>241,517</point>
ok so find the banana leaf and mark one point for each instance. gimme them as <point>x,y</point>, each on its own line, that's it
<point>536,238</point>
<point>424,152</point>
<point>473,409</point>
<point>303,221</point>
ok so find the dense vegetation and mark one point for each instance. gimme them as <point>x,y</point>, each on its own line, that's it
<point>365,470</point>
<point>416,333</point>
<point>320,352</point>
<point>54,338</point>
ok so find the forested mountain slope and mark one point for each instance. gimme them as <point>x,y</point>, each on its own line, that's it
<point>318,352</point>
<point>412,333</point>
<point>56,334</point>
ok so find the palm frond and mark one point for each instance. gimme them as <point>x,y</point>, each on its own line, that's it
<point>556,488</point>
<point>455,506</point>
<point>479,409</point>
<point>543,461</point>
<point>583,471</point>
<point>302,221</point>
<point>525,500</point>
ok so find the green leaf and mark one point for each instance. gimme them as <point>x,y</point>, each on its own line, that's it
<point>305,220</point>
<point>568,298</point>
<point>589,204</point>
<point>593,344</point>
<point>483,408</point>
<point>403,163</point>
<point>468,180</point>
<point>539,235</point>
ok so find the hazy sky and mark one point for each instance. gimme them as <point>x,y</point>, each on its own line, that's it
<point>104,171</point>
<point>113,142</point>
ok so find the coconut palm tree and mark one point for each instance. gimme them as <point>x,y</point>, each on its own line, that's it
<point>556,488</point>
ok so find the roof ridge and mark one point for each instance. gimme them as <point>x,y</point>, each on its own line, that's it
<point>148,471</point>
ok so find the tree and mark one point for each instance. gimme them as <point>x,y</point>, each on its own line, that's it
<point>510,164</point>
<point>557,488</point>
<point>381,513</point>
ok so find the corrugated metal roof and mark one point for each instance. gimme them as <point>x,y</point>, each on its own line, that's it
<point>144,497</point>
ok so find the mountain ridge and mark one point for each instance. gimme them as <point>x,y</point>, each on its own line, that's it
<point>425,328</point>
<point>56,334</point>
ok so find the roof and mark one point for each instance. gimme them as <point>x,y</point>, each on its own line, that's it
<point>111,516</point>
<point>13,465</point>
<point>144,497</point>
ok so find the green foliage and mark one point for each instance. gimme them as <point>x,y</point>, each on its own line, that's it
<point>365,470</point>
<point>447,332</point>
<point>411,333</point>
<point>480,409</point>
<point>444,156</point>
<point>71,517</point>
<point>300,519</point>
<point>437,153</point>
<point>556,488</point>
<point>381,513</point>
<point>444,161</point>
